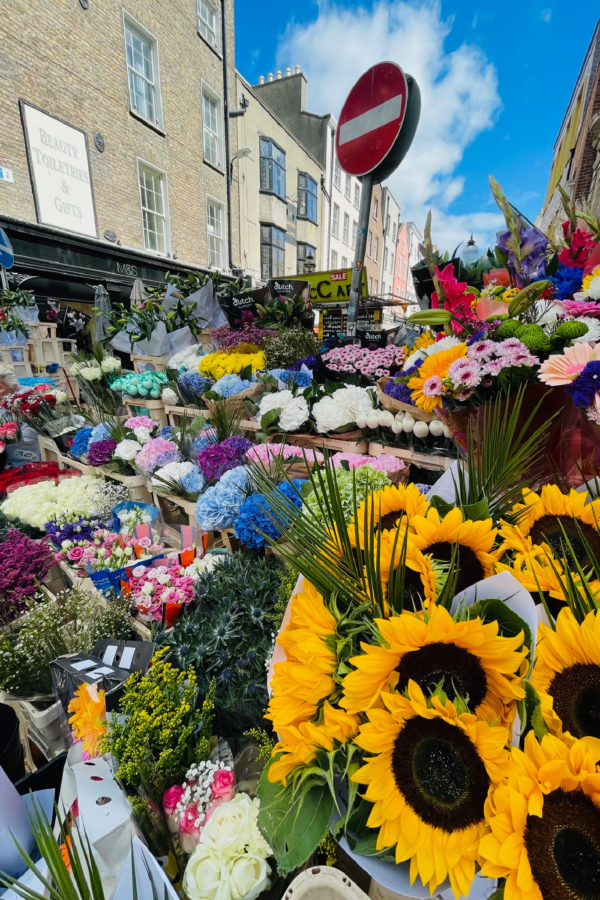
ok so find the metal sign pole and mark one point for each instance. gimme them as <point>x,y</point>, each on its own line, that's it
<point>3,278</point>
<point>359,253</point>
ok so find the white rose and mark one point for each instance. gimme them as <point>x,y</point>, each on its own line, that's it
<point>408,423</point>
<point>229,827</point>
<point>90,373</point>
<point>421,429</point>
<point>61,397</point>
<point>436,428</point>
<point>373,420</point>
<point>386,419</point>
<point>248,877</point>
<point>111,364</point>
<point>206,875</point>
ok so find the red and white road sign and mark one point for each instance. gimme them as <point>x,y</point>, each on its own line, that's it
<point>371,118</point>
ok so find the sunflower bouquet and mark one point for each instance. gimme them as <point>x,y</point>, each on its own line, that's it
<point>416,703</point>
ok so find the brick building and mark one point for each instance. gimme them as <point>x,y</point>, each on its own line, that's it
<point>114,122</point>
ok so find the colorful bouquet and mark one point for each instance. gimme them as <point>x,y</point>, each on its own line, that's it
<point>106,550</point>
<point>371,364</point>
<point>72,528</point>
<point>43,407</point>
<point>153,589</point>
<point>155,453</point>
<point>216,459</point>
<point>189,806</point>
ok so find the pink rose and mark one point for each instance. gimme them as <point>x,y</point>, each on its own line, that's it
<point>170,800</point>
<point>75,554</point>
<point>190,823</point>
<point>223,786</point>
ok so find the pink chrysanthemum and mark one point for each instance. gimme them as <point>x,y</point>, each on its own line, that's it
<point>432,387</point>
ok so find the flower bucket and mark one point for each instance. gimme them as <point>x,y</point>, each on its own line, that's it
<point>172,613</point>
<point>393,405</point>
<point>107,580</point>
<point>132,504</point>
<point>460,421</point>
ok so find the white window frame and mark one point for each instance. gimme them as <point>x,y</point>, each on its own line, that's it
<point>133,25</point>
<point>221,206</point>
<point>337,175</point>
<point>334,259</point>
<point>165,197</point>
<point>216,44</point>
<point>375,208</point>
<point>354,233</point>
<point>348,187</point>
<point>344,263</point>
<point>346,229</point>
<point>212,95</point>
<point>357,195</point>
<point>369,243</point>
<point>376,248</point>
<point>335,222</point>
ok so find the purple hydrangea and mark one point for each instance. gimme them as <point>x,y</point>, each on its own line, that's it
<point>217,459</point>
<point>101,453</point>
<point>399,392</point>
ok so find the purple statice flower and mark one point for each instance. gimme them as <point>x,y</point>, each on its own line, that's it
<point>586,385</point>
<point>399,392</point>
<point>101,453</point>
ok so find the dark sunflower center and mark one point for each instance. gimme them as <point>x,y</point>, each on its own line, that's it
<point>389,520</point>
<point>439,772</point>
<point>576,695</point>
<point>563,847</point>
<point>552,530</point>
<point>413,592</point>
<point>459,672</point>
<point>469,568</point>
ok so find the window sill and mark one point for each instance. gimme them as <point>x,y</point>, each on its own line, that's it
<point>306,219</point>
<point>272,194</point>
<point>212,166</point>
<point>216,51</point>
<point>147,122</point>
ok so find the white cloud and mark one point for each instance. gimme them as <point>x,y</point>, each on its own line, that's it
<point>459,96</point>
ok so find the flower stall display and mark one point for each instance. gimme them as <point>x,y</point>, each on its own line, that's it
<point>215,365</point>
<point>43,408</point>
<point>155,453</point>
<point>107,550</point>
<point>72,527</point>
<point>282,411</point>
<point>186,360</point>
<point>148,385</point>
<point>289,347</point>
<point>343,409</point>
<point>352,484</point>
<point>23,565</point>
<point>159,593</point>
<point>250,334</point>
<point>368,364</point>
<point>216,459</point>
<point>45,501</point>
<point>95,377</point>
<point>218,505</point>
<point>256,521</point>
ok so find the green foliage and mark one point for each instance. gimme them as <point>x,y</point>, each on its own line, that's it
<point>353,487</point>
<point>266,742</point>
<point>534,337</point>
<point>288,311</point>
<point>228,636</point>
<point>288,346</point>
<point>52,629</point>
<point>289,577</point>
<point>20,297</point>
<point>159,730</point>
<point>567,332</point>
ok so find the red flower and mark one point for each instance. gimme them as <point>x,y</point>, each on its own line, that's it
<point>458,301</point>
<point>580,246</point>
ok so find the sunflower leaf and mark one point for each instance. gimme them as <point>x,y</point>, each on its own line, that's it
<point>509,623</point>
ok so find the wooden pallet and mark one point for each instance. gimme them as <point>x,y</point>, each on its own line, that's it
<point>16,357</point>
<point>424,460</point>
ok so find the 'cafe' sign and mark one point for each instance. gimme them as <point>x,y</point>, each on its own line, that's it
<point>329,287</point>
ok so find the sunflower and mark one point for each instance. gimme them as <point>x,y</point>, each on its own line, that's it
<point>541,519</point>
<point>436,538</point>
<point>543,823</point>
<point>427,783</point>
<point>305,678</point>
<point>435,366</point>
<point>385,508</point>
<point>470,659</point>
<point>420,575</point>
<point>88,719</point>
<point>567,673</point>
<point>299,744</point>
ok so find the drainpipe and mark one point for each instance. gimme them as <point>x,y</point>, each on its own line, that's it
<point>227,135</point>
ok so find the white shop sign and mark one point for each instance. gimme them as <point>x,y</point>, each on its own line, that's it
<point>60,172</point>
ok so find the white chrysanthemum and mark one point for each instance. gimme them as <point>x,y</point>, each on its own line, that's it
<point>127,450</point>
<point>274,401</point>
<point>592,335</point>
<point>443,344</point>
<point>294,415</point>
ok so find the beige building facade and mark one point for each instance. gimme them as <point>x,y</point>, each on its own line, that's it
<point>277,183</point>
<point>114,127</point>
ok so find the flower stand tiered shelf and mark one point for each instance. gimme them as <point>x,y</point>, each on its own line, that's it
<point>175,414</point>
<point>349,442</point>
<point>432,461</point>
<point>143,363</point>
<point>136,484</point>
<point>49,451</point>
<point>16,357</point>
<point>136,406</point>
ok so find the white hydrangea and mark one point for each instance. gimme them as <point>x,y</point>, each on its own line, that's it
<point>173,471</point>
<point>274,401</point>
<point>142,434</point>
<point>329,415</point>
<point>186,360</point>
<point>169,397</point>
<point>127,450</point>
<point>294,415</point>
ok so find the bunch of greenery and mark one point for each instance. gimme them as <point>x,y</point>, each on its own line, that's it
<point>288,311</point>
<point>228,636</point>
<point>161,729</point>
<point>352,486</point>
<point>11,322</point>
<point>53,628</point>
<point>289,346</point>
<point>18,297</point>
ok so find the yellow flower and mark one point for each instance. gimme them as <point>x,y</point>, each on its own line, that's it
<point>386,508</point>
<point>420,579</point>
<point>508,294</point>
<point>427,782</point>
<point>541,519</point>
<point>424,340</point>
<point>215,365</point>
<point>299,743</point>
<point>435,536</point>
<point>543,823</point>
<point>567,674</point>
<point>437,364</point>
<point>88,719</point>
<point>305,678</point>
<point>470,658</point>
<point>587,279</point>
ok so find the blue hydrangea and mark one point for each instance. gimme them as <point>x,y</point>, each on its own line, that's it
<point>99,433</point>
<point>211,514</point>
<point>230,385</point>
<point>193,481</point>
<point>193,385</point>
<point>206,437</point>
<point>81,442</point>
<point>254,520</point>
<point>567,281</point>
<point>166,432</point>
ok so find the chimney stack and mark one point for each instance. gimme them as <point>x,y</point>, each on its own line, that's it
<point>270,76</point>
<point>288,72</point>
<point>278,74</point>
<point>296,69</point>
<point>261,79</point>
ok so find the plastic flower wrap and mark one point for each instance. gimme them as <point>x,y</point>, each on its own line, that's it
<point>155,453</point>
<point>218,506</point>
<point>255,519</point>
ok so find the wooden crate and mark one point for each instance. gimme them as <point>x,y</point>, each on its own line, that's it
<point>322,441</point>
<point>49,451</point>
<point>143,363</point>
<point>425,460</point>
<point>153,408</point>
<point>136,484</point>
<point>175,511</point>
<point>16,357</point>
<point>175,414</point>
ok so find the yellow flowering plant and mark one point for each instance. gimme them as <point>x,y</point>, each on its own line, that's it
<point>215,365</point>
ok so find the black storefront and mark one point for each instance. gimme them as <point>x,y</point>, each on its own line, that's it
<point>68,267</point>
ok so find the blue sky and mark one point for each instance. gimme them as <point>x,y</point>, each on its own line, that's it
<point>495,81</point>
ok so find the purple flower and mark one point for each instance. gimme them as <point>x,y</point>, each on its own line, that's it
<point>23,564</point>
<point>532,250</point>
<point>398,392</point>
<point>586,385</point>
<point>101,453</point>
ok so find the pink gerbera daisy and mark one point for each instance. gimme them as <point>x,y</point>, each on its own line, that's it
<point>564,368</point>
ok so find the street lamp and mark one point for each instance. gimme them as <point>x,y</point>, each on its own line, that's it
<point>470,253</point>
<point>241,153</point>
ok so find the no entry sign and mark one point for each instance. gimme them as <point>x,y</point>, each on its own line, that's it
<point>371,118</point>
